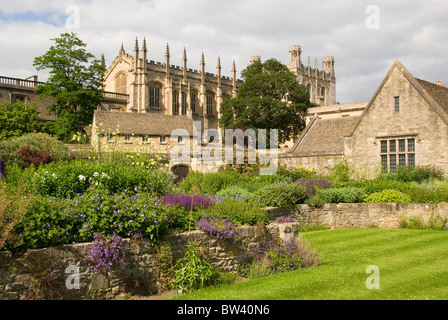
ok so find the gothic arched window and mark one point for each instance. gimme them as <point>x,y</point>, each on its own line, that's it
<point>175,106</point>
<point>154,96</point>
<point>121,83</point>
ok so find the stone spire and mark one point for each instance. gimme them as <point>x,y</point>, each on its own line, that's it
<point>218,72</point>
<point>167,61</point>
<point>234,79</point>
<point>202,68</point>
<point>184,66</point>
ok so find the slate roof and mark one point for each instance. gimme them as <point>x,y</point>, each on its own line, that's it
<point>142,123</point>
<point>437,92</point>
<point>324,136</point>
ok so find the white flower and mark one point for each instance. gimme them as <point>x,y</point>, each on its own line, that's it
<point>54,175</point>
<point>81,177</point>
<point>96,174</point>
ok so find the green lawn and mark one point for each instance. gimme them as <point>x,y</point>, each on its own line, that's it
<point>413,264</point>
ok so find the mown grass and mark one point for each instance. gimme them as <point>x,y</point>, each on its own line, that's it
<point>412,264</point>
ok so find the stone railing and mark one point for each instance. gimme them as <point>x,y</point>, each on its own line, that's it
<point>19,82</point>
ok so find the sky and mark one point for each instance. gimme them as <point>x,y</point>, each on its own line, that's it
<point>364,37</point>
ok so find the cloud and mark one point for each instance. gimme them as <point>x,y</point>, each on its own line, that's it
<point>412,31</point>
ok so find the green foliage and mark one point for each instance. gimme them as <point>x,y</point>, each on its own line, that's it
<point>315,202</point>
<point>239,211</point>
<point>37,142</point>
<point>417,174</point>
<point>269,98</point>
<point>278,256</point>
<point>50,221</point>
<point>18,119</point>
<point>342,195</point>
<point>312,227</point>
<point>193,272</point>
<point>340,172</point>
<point>68,178</point>
<point>75,83</point>
<point>434,222</point>
<point>421,195</point>
<point>297,173</point>
<point>280,194</point>
<point>388,196</point>
<point>210,183</point>
<point>13,207</point>
<point>232,191</point>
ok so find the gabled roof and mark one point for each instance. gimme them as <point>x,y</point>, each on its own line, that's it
<point>324,136</point>
<point>435,95</point>
<point>141,123</point>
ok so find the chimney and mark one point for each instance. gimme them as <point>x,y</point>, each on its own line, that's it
<point>439,83</point>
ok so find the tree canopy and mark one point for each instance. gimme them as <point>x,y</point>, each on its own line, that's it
<point>18,119</point>
<point>75,84</point>
<point>269,98</point>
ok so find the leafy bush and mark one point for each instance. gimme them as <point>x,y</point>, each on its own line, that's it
<point>388,196</point>
<point>418,174</point>
<point>33,158</point>
<point>435,222</point>
<point>341,172</point>
<point>297,173</point>
<point>342,195</point>
<point>68,178</point>
<point>315,202</point>
<point>13,207</point>
<point>231,192</point>
<point>239,211</point>
<point>50,221</point>
<point>37,142</point>
<point>192,272</point>
<point>217,228</point>
<point>377,185</point>
<point>314,185</point>
<point>421,195</point>
<point>210,183</point>
<point>280,194</point>
<point>277,256</point>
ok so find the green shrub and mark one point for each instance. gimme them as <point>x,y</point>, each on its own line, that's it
<point>340,172</point>
<point>68,178</point>
<point>315,202</point>
<point>421,195</point>
<point>192,272</point>
<point>50,221</point>
<point>280,194</point>
<point>232,192</point>
<point>297,173</point>
<point>239,211</point>
<point>209,183</point>
<point>37,142</point>
<point>434,222</point>
<point>377,185</point>
<point>342,195</point>
<point>388,196</point>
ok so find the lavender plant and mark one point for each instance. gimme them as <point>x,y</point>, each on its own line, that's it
<point>189,202</point>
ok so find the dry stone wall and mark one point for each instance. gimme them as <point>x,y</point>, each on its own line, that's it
<point>65,272</point>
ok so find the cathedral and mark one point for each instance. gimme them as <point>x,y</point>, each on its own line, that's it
<point>138,85</point>
<point>152,87</point>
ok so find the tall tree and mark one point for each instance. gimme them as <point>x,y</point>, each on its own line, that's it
<point>75,84</point>
<point>18,119</point>
<point>269,98</point>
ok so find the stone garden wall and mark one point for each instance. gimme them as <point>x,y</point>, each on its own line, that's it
<point>60,268</point>
<point>144,274</point>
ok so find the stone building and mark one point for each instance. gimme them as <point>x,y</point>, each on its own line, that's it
<point>165,89</point>
<point>320,84</point>
<point>405,123</point>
